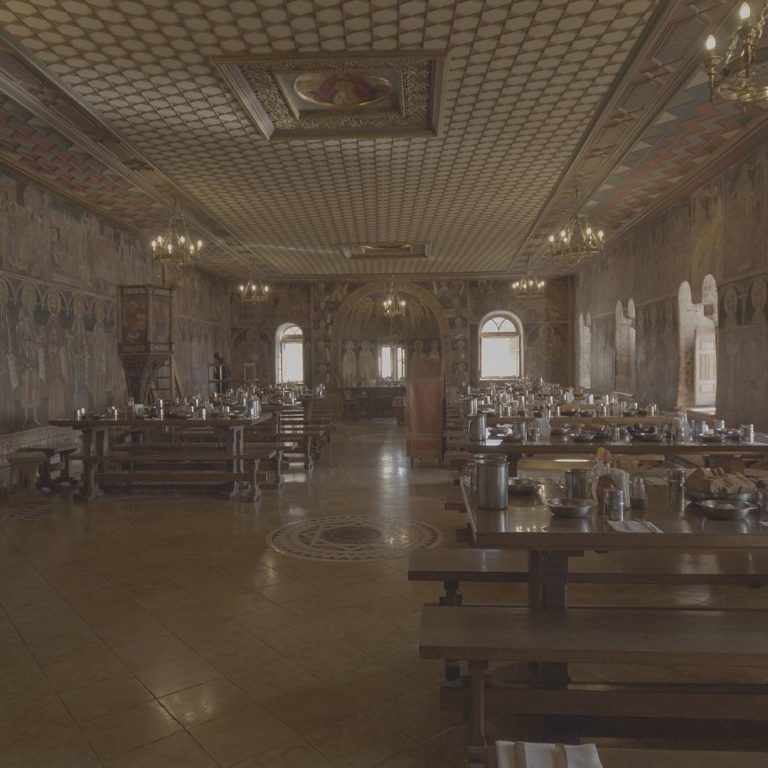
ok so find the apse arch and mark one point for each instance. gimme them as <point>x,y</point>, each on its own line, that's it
<point>365,292</point>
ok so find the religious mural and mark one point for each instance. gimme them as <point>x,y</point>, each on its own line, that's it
<point>59,266</point>
<point>719,231</point>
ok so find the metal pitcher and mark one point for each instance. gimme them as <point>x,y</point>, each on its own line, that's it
<point>470,406</point>
<point>576,483</point>
<point>492,472</point>
<point>475,426</point>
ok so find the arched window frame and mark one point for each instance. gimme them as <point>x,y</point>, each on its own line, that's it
<point>518,325</point>
<point>288,333</point>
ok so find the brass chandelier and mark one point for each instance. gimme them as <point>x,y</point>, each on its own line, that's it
<point>738,75</point>
<point>254,292</point>
<point>175,247</point>
<point>577,241</point>
<point>528,286</point>
<point>394,305</point>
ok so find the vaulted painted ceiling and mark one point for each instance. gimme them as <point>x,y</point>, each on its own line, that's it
<point>546,105</point>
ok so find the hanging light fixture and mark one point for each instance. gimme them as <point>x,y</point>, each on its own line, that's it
<point>394,306</point>
<point>577,241</point>
<point>254,292</point>
<point>528,286</point>
<point>175,247</point>
<point>738,75</point>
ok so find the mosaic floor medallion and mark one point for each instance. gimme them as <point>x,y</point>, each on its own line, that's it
<point>352,538</point>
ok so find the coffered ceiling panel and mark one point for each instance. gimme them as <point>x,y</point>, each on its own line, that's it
<point>523,80</point>
<point>535,94</point>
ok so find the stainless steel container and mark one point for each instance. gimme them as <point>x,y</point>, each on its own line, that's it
<point>747,433</point>
<point>719,425</point>
<point>676,477</point>
<point>470,406</point>
<point>613,504</point>
<point>576,483</point>
<point>492,473</point>
<point>475,426</point>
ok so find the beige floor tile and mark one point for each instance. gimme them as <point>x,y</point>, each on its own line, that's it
<point>292,755</point>
<point>277,678</point>
<point>142,627</point>
<point>152,651</point>
<point>266,619</point>
<point>60,748</point>
<point>177,675</point>
<point>205,702</point>
<point>242,656</point>
<point>360,741</point>
<point>207,633</point>
<point>177,751</point>
<point>417,713</point>
<point>313,706</point>
<point>73,673</point>
<point>31,713</point>
<point>286,591</point>
<point>241,735</point>
<point>68,646</point>
<point>128,729</point>
<point>106,696</point>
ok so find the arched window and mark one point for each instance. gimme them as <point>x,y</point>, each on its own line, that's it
<point>585,351</point>
<point>290,354</point>
<point>501,346</point>
<point>697,334</point>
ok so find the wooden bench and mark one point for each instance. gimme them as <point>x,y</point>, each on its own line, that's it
<point>27,463</point>
<point>276,460</point>
<point>502,566</point>
<point>173,476</point>
<point>480,635</point>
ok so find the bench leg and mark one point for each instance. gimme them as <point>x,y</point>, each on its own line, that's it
<point>476,750</point>
<point>452,595</point>
<point>255,492</point>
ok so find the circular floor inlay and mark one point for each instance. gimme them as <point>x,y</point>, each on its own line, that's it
<point>352,538</point>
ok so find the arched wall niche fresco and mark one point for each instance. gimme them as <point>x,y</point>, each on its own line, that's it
<point>360,320</point>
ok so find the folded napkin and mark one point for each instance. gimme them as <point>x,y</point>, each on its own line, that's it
<point>522,754</point>
<point>631,526</point>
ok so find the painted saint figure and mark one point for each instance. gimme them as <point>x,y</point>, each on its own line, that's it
<point>28,358</point>
<point>366,365</point>
<point>349,364</point>
<point>79,354</point>
<point>54,351</point>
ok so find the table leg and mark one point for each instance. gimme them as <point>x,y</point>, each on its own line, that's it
<point>233,442</point>
<point>548,590</point>
<point>477,671</point>
<point>94,445</point>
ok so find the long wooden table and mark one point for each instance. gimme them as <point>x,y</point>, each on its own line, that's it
<point>557,446</point>
<point>96,441</point>
<point>527,526</point>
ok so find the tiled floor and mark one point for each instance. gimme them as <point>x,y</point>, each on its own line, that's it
<point>143,631</point>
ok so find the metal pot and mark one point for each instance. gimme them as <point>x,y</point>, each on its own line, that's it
<point>475,426</point>
<point>470,406</point>
<point>492,473</point>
